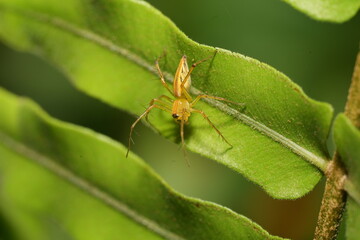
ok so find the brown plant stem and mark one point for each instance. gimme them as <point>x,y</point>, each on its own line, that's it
<point>352,108</point>
<point>333,202</point>
<point>334,198</point>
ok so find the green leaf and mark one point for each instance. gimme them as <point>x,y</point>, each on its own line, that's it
<point>63,180</point>
<point>327,10</point>
<point>347,139</point>
<point>352,219</point>
<point>108,50</point>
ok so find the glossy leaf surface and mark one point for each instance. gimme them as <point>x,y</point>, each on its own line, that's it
<point>347,139</point>
<point>108,48</point>
<point>61,180</point>
<point>327,10</point>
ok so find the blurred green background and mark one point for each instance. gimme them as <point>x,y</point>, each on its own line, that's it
<point>317,56</point>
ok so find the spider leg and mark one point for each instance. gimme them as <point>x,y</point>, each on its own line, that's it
<point>186,94</point>
<point>158,100</point>
<point>183,147</point>
<point>192,69</point>
<point>162,77</point>
<point>211,124</point>
<point>167,98</point>
<point>139,118</point>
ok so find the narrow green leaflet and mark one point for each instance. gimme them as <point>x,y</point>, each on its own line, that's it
<point>347,139</point>
<point>58,179</point>
<point>327,10</point>
<point>352,219</point>
<point>108,48</point>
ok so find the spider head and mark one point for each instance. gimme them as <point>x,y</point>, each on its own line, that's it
<point>181,110</point>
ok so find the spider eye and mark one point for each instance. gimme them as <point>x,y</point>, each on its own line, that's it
<point>175,115</point>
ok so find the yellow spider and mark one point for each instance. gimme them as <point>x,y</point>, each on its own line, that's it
<point>182,105</point>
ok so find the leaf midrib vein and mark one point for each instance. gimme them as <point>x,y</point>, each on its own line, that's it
<point>86,186</point>
<point>312,158</point>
